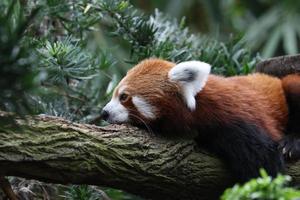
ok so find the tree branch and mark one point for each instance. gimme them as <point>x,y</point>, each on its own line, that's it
<point>280,66</point>
<point>55,150</point>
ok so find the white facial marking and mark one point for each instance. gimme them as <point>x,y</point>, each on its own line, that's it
<point>117,112</point>
<point>144,107</point>
<point>121,89</point>
<point>192,77</point>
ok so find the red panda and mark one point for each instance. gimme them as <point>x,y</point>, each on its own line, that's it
<point>239,118</point>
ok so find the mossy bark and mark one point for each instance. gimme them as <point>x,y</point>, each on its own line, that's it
<point>55,150</point>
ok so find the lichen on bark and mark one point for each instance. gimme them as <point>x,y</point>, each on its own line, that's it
<point>55,150</point>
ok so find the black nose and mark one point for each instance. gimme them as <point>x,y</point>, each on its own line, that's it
<point>104,115</point>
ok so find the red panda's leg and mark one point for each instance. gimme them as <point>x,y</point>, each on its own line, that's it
<point>245,148</point>
<point>290,145</point>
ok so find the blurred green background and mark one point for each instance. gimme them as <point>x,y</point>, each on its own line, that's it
<point>269,26</point>
<point>64,58</point>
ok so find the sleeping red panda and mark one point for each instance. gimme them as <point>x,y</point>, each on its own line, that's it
<point>240,118</point>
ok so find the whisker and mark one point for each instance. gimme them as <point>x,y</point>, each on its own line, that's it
<point>139,118</point>
<point>146,125</point>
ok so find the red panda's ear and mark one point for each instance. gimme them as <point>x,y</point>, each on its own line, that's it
<point>192,77</point>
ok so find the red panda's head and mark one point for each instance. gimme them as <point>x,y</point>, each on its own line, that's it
<point>157,93</point>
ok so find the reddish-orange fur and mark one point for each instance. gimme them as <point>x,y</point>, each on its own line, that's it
<point>256,98</point>
<point>291,85</point>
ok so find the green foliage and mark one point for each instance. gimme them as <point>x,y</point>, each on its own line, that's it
<point>72,76</point>
<point>263,188</point>
<point>82,192</point>
<point>61,18</point>
<point>120,195</point>
<point>161,37</point>
<point>277,29</point>
<point>76,75</point>
<point>271,27</point>
<point>15,59</point>
<point>130,24</point>
<point>66,60</point>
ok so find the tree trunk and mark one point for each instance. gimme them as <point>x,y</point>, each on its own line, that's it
<point>54,150</point>
<point>280,66</point>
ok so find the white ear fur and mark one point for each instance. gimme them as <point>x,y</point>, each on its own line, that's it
<point>192,77</point>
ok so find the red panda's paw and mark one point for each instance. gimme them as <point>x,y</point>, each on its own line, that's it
<point>290,148</point>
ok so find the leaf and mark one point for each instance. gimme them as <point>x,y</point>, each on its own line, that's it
<point>272,43</point>
<point>290,38</point>
<point>87,8</point>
